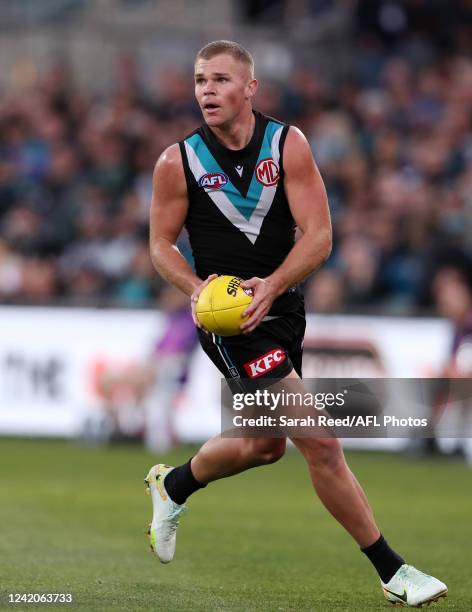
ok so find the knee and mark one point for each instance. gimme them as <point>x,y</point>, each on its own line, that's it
<point>323,453</point>
<point>266,450</point>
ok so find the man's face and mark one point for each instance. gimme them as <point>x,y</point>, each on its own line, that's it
<point>223,87</point>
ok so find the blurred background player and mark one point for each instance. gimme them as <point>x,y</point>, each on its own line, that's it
<point>172,357</point>
<point>453,296</point>
<point>140,398</point>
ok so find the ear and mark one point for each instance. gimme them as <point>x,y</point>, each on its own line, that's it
<point>251,88</point>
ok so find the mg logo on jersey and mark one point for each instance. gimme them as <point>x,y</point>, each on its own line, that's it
<point>265,363</point>
<point>213,180</point>
<point>267,172</point>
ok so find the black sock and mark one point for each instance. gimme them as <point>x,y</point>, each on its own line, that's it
<point>385,560</point>
<point>181,483</point>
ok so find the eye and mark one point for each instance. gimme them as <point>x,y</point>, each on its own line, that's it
<point>222,79</point>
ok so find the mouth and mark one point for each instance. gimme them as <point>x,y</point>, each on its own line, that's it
<point>209,107</point>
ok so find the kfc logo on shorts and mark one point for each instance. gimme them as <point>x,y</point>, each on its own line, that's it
<point>264,364</point>
<point>267,172</point>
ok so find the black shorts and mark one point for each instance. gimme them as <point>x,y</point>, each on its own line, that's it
<point>271,351</point>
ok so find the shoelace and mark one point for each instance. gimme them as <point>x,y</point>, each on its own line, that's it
<point>420,578</point>
<point>173,518</point>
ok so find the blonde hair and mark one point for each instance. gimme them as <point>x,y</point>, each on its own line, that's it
<point>218,47</point>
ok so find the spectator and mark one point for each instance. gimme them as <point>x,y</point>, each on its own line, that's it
<point>394,144</point>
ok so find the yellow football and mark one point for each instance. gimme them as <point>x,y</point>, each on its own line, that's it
<point>221,305</point>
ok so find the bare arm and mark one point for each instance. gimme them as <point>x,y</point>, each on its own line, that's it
<point>308,203</point>
<point>167,217</point>
<point>309,206</point>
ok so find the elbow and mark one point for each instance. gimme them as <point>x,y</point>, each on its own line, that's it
<point>157,252</point>
<point>324,245</point>
<point>319,244</point>
<point>153,252</point>
<point>327,245</point>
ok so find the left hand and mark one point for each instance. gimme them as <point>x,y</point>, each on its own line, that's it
<point>264,296</point>
<point>194,299</point>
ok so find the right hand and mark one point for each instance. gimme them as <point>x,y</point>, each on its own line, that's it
<point>194,299</point>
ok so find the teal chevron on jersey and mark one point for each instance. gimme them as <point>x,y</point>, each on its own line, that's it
<point>238,218</point>
<point>258,197</point>
<point>245,206</point>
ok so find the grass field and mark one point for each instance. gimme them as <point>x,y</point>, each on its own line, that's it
<point>73,520</point>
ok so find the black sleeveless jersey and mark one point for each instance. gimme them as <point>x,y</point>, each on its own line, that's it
<point>239,221</point>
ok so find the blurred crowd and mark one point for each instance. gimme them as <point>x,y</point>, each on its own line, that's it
<point>393,143</point>
<point>397,162</point>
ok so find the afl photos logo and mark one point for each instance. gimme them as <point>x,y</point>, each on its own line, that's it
<point>213,180</point>
<point>267,172</point>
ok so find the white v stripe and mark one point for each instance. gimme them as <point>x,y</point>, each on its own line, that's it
<point>251,229</point>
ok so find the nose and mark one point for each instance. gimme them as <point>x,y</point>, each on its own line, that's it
<point>209,87</point>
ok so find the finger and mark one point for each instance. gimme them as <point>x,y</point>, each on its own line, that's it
<point>254,304</point>
<point>254,320</point>
<point>196,294</point>
<point>250,329</point>
<point>256,323</point>
<point>194,299</point>
<point>204,284</point>
<point>194,314</point>
<point>193,306</point>
<point>250,283</point>
<point>255,317</point>
<point>252,307</point>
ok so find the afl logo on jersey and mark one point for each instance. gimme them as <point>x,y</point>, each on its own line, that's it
<point>213,180</point>
<point>267,172</point>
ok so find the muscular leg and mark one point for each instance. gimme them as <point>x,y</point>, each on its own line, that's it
<point>338,489</point>
<point>222,457</point>
<point>335,484</point>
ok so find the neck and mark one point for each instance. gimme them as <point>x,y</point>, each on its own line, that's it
<point>236,135</point>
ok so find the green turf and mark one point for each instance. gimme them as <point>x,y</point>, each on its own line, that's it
<point>73,520</point>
